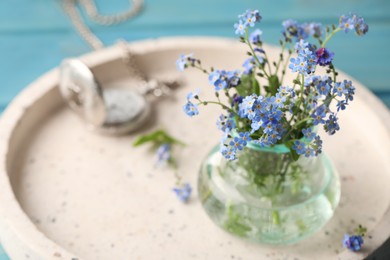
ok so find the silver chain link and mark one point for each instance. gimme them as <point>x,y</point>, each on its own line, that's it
<point>154,87</point>
<point>107,20</point>
<point>70,7</point>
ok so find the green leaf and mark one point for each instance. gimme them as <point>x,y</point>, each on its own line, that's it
<point>237,228</point>
<point>245,86</point>
<point>294,155</point>
<point>234,223</point>
<point>248,86</point>
<point>147,138</point>
<point>274,84</point>
<point>158,137</point>
<point>255,86</point>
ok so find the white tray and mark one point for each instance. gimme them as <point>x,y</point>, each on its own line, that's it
<point>68,193</point>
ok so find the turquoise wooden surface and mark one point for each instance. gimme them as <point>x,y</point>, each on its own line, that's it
<point>36,35</point>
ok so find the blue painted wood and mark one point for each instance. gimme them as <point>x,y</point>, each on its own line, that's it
<point>3,254</point>
<point>36,35</point>
<point>41,26</point>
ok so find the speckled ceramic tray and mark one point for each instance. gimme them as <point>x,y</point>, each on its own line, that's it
<point>66,192</point>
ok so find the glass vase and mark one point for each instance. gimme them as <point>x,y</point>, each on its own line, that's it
<point>267,197</point>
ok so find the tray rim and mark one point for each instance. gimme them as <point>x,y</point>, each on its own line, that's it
<point>13,219</point>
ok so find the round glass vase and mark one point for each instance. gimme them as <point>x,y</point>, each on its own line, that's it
<point>267,197</point>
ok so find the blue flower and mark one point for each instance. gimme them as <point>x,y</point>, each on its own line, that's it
<point>240,28</point>
<point>299,147</point>
<point>290,26</point>
<point>237,99</point>
<point>230,124</point>
<point>286,90</point>
<point>317,145</point>
<point>311,102</point>
<point>228,152</point>
<point>245,138</point>
<point>220,84</point>
<point>256,14</point>
<point>331,125</point>
<point>269,128</point>
<point>254,37</point>
<point>273,138</point>
<point>339,89</point>
<point>255,125</point>
<point>309,152</point>
<point>225,124</point>
<point>163,154</point>
<point>350,89</point>
<point>341,105</point>
<point>250,20</point>
<point>218,79</point>
<point>315,30</point>
<point>353,243</point>
<point>183,192</point>
<point>323,87</point>
<point>353,21</point>
<point>278,100</point>
<point>361,27</point>
<point>300,65</point>
<point>304,48</point>
<point>319,115</point>
<point>308,133</point>
<point>193,94</point>
<point>222,79</point>
<point>249,64</point>
<point>184,61</point>
<point>306,60</point>
<point>234,77</point>
<point>260,105</point>
<point>324,56</point>
<point>273,116</point>
<point>293,29</point>
<point>250,17</point>
<point>346,22</point>
<point>214,76</point>
<point>297,64</point>
<point>236,144</point>
<point>247,104</point>
<point>191,109</point>
<point>312,80</point>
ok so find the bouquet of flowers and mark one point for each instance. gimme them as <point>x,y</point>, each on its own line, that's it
<point>261,107</point>
<point>268,183</point>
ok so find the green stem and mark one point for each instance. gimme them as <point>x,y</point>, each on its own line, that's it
<point>302,92</point>
<point>334,74</point>
<point>218,103</point>
<point>328,100</point>
<point>283,171</point>
<point>293,115</point>
<point>269,66</point>
<point>280,59</point>
<point>260,65</point>
<point>285,66</point>
<point>207,196</point>
<point>294,127</point>
<point>330,37</point>
<point>276,217</point>
<point>199,67</point>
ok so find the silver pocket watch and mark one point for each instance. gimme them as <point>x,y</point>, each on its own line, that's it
<point>113,111</point>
